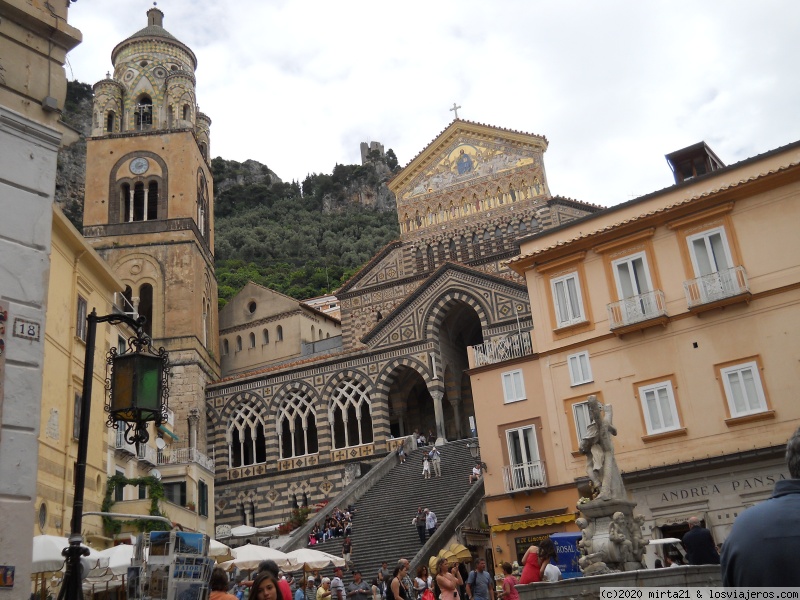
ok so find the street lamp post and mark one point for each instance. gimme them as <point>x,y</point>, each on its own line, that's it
<point>137,391</point>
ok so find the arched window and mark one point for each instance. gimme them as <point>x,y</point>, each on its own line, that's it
<point>453,252</point>
<point>487,241</point>
<point>498,238</point>
<point>246,436</point>
<point>266,336</point>
<point>205,322</point>
<point>522,227</point>
<point>152,201</point>
<point>297,426</point>
<point>185,112</point>
<point>238,343</point>
<point>312,333</point>
<point>420,262</point>
<point>279,333</point>
<point>534,223</point>
<point>110,118</point>
<point>252,340</point>
<point>350,414</point>
<point>431,259</point>
<point>146,307</point>
<point>204,150</point>
<point>464,248</point>
<point>442,255</point>
<point>202,205</point>
<point>126,203</point>
<point>225,347</point>
<point>170,116</point>
<point>476,245</point>
<point>327,335</point>
<point>143,114</point>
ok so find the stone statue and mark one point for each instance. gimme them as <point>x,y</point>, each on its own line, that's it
<point>637,541</point>
<point>601,466</point>
<point>587,531</point>
<point>621,547</point>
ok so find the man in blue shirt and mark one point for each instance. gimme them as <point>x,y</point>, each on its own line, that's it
<point>480,585</point>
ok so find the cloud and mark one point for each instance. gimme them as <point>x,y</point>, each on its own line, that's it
<point>613,86</point>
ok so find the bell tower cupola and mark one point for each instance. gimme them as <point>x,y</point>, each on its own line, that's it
<point>149,204</point>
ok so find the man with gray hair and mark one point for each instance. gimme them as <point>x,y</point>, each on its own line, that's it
<point>764,543</point>
<point>699,545</point>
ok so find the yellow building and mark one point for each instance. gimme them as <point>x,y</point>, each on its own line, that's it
<point>680,310</point>
<point>80,281</point>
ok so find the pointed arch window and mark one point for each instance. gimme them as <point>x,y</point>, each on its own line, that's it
<point>464,248</point>
<point>442,255</point>
<point>476,245</point>
<point>247,436</point>
<point>431,259</point>
<point>453,252</point>
<point>110,118</point>
<point>297,426</point>
<point>420,262</point>
<point>350,414</point>
<point>498,238</point>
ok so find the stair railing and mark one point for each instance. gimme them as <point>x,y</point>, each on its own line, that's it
<point>349,495</point>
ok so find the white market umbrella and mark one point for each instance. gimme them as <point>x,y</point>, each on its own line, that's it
<point>47,555</point>
<point>250,555</point>
<point>308,558</point>
<point>219,551</point>
<point>119,558</point>
<point>243,531</point>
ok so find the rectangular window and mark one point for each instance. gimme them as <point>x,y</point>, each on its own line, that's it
<point>632,275</point>
<point>580,412</point>
<point>202,498</point>
<point>513,386</point>
<point>567,300</point>
<point>80,325</point>
<point>122,345</point>
<point>579,369</point>
<point>658,404</point>
<point>176,492</point>
<point>119,490</point>
<point>710,252</point>
<point>525,470</point>
<point>76,416</point>
<point>142,491</point>
<point>743,389</point>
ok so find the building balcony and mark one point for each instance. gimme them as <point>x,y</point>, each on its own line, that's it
<point>726,286</point>
<point>524,476</point>
<point>515,345</point>
<point>183,456</point>
<point>638,312</point>
<point>144,452</point>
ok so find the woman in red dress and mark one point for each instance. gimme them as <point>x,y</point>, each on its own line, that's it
<point>530,569</point>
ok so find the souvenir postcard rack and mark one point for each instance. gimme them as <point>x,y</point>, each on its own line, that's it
<point>170,565</point>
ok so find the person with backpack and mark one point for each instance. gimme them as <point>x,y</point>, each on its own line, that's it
<point>480,585</point>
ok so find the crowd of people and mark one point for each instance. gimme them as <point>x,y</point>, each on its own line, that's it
<point>338,523</point>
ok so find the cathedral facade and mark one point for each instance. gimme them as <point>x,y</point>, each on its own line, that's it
<point>297,433</point>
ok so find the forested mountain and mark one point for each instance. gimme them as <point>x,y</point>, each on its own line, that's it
<point>303,240</point>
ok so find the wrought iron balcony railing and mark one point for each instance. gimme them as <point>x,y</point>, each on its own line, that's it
<point>180,456</point>
<point>636,309</point>
<point>725,283</point>
<point>524,476</point>
<point>511,346</point>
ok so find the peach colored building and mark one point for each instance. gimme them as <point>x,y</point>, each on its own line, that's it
<point>681,310</point>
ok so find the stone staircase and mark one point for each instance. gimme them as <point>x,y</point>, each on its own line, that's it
<point>382,529</point>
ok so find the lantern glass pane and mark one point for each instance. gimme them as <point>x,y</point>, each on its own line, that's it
<point>148,380</point>
<point>122,388</point>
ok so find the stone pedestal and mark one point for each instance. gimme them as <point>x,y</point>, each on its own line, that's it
<point>607,552</point>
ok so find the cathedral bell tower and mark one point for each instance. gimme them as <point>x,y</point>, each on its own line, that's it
<point>149,207</point>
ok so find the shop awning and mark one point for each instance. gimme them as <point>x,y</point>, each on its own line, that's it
<point>164,429</point>
<point>538,522</point>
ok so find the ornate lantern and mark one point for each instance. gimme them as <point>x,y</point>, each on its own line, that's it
<point>137,388</point>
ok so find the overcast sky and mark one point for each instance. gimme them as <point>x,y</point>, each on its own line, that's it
<point>613,85</point>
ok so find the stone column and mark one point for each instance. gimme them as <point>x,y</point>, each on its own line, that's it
<point>194,423</point>
<point>146,190</point>
<point>438,413</point>
<point>130,207</point>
